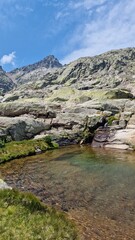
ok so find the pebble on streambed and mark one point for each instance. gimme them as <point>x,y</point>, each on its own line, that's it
<point>3,185</point>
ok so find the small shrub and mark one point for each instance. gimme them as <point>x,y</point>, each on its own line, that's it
<point>48,140</point>
<point>111,119</point>
<point>2,143</point>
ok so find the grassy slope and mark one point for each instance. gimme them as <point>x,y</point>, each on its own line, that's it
<point>23,216</point>
<point>24,148</point>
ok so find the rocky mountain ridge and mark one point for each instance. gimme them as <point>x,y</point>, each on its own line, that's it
<point>6,83</point>
<point>90,100</point>
<point>35,71</point>
<point>116,66</point>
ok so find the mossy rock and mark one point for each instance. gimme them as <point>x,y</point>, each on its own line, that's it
<point>119,94</point>
<point>63,93</point>
<point>59,99</point>
<point>18,149</point>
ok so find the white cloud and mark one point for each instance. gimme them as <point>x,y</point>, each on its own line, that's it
<point>8,59</point>
<point>61,14</point>
<point>113,27</point>
<point>87,4</point>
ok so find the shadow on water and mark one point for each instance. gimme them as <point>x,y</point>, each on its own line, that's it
<point>95,185</point>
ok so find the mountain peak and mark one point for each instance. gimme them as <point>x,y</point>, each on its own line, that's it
<point>50,62</point>
<point>47,62</point>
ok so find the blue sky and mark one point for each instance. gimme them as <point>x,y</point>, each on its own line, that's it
<point>32,29</point>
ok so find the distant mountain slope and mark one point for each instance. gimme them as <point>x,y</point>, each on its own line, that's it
<point>36,71</point>
<point>6,83</point>
<point>108,70</point>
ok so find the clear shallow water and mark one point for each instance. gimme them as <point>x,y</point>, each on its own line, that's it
<point>95,186</point>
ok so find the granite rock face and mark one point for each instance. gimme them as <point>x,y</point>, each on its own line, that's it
<point>88,100</point>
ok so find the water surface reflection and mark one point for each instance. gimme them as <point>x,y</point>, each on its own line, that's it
<point>95,187</point>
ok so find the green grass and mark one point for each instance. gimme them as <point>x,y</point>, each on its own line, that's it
<point>24,217</point>
<point>24,148</point>
<point>111,119</point>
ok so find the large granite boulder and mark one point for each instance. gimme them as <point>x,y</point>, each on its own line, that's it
<point>109,138</point>
<point>37,108</point>
<point>20,128</point>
